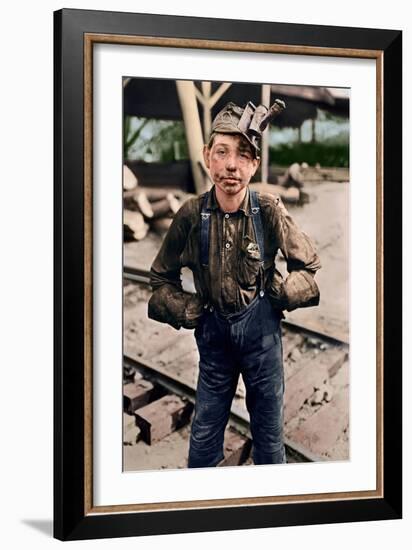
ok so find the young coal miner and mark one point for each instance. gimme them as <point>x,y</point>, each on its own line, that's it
<point>229,238</point>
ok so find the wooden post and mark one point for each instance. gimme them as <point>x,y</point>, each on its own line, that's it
<point>207,114</point>
<point>300,134</point>
<point>264,162</point>
<point>187,97</point>
<point>313,128</point>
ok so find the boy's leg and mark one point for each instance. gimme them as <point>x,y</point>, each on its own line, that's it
<point>263,377</point>
<point>262,371</point>
<point>214,394</point>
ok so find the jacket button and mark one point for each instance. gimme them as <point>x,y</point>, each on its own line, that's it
<point>227,245</point>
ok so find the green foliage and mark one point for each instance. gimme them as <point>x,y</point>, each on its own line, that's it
<point>131,134</point>
<point>312,153</point>
<point>154,140</point>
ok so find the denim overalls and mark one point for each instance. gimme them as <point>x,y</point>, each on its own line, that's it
<point>247,342</point>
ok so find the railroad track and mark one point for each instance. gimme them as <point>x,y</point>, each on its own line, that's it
<point>164,413</point>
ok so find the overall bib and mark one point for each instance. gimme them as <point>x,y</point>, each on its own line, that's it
<point>247,342</point>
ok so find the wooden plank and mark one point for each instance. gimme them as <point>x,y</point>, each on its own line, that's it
<point>183,345</point>
<point>145,338</point>
<point>336,361</point>
<point>341,378</point>
<point>321,431</point>
<point>301,385</point>
<point>162,417</point>
<point>333,357</point>
<point>185,369</point>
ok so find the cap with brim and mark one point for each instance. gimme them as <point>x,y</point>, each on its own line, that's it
<point>250,121</point>
<point>227,122</point>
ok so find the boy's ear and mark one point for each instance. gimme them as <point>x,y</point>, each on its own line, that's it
<point>256,164</point>
<point>206,155</point>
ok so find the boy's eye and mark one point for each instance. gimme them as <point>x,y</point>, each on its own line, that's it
<point>245,155</point>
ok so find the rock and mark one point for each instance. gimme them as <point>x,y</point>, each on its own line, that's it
<point>131,432</point>
<point>317,397</point>
<point>328,394</point>
<point>312,342</point>
<point>295,355</point>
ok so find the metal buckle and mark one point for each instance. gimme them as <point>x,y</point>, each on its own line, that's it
<point>255,210</point>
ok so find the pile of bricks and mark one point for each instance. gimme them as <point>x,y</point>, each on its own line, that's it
<point>150,415</point>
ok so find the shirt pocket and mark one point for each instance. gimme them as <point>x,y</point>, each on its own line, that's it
<point>249,264</point>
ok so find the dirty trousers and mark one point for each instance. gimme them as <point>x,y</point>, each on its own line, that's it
<point>248,343</point>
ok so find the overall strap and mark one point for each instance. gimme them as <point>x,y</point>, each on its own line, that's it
<point>204,231</point>
<point>257,223</point>
<point>260,237</point>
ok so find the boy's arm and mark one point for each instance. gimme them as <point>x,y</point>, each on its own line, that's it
<point>299,289</point>
<point>169,303</point>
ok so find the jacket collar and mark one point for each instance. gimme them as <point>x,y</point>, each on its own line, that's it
<point>212,203</point>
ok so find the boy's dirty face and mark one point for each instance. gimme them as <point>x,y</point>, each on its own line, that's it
<point>231,162</point>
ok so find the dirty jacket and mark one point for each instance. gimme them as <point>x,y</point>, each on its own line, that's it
<point>236,271</point>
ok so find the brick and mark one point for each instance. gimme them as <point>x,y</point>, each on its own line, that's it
<point>136,395</point>
<point>162,417</point>
<point>320,431</point>
<point>236,449</point>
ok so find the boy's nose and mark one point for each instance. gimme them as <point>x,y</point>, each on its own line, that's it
<point>231,163</point>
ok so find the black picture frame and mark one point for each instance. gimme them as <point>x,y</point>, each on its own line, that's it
<point>74,515</point>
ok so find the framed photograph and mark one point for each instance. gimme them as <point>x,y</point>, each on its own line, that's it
<point>213,179</point>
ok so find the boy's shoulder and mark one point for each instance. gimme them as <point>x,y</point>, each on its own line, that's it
<point>271,203</point>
